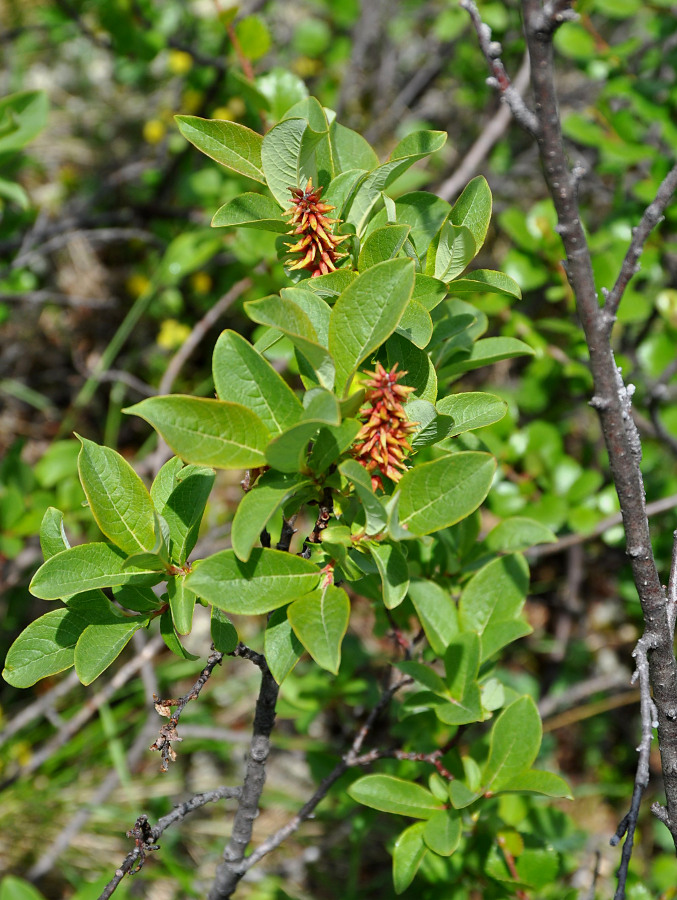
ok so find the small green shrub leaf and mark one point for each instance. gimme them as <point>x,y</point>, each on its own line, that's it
<point>269,579</point>
<point>419,367</point>
<point>281,646</point>
<point>251,211</point>
<point>536,781</point>
<point>242,375</point>
<point>271,491</point>
<point>383,244</point>
<point>515,742</point>
<point>320,621</point>
<point>181,603</point>
<point>224,633</point>
<point>207,432</point>
<point>85,567</point>
<point>518,533</point>
<point>52,535</point>
<point>473,209</point>
<point>416,325</point>
<point>488,351</point>
<point>357,475</point>
<point>455,250</point>
<point>101,643</point>
<point>232,145</point>
<point>485,281</point>
<point>440,493</point>
<point>394,795</point>
<point>392,567</point>
<point>442,832</point>
<point>44,648</point>
<point>117,497</point>
<point>471,410</point>
<point>288,158</point>
<point>436,612</point>
<point>366,313</point>
<point>184,508</point>
<point>408,853</point>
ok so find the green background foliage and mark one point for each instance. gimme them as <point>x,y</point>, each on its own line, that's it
<point>108,263</point>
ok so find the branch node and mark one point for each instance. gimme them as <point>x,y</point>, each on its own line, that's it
<point>598,402</point>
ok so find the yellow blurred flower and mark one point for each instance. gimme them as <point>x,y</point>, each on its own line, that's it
<point>154,131</point>
<point>136,284</point>
<point>201,282</point>
<point>180,62</point>
<point>172,334</point>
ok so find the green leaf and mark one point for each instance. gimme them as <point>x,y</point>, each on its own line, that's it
<point>288,157</point>
<point>515,742</point>
<point>23,115</point>
<point>460,795</point>
<point>83,568</point>
<point>471,410</point>
<point>366,313</point>
<point>52,535</point>
<point>139,599</point>
<point>456,248</point>
<point>416,325</point>
<point>429,292</point>
<point>440,493</point>
<point>430,428</point>
<point>268,580</point>
<point>499,634</point>
<point>436,612</point>
<point>420,370</point>
<point>320,621</point>
<point>12,888</point>
<point>424,675</point>
<point>412,148</point>
<point>331,442</point>
<point>117,497</point>
<point>101,643</point>
<point>282,89</point>
<point>290,319</point>
<point>44,648</point>
<point>425,213</point>
<point>251,211</point>
<point>281,646</point>
<point>242,375</point>
<point>536,866</point>
<point>171,638</point>
<point>383,244</point>
<point>207,432</point>
<point>288,452</point>
<point>357,475</point>
<point>181,603</point>
<point>317,309</point>
<point>494,594</point>
<point>536,781</point>
<point>473,209</point>
<point>13,192</point>
<point>518,533</point>
<point>230,144</point>
<point>408,853</point>
<point>253,37</point>
<point>486,352</point>
<point>394,795</point>
<point>184,508</point>
<point>164,482</point>
<point>351,150</point>
<point>224,633</point>
<point>485,281</point>
<point>464,711</point>
<point>442,832</point>
<point>394,571</point>
<point>462,663</point>
<point>271,491</point>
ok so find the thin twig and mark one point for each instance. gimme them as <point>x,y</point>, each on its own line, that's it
<point>490,135</point>
<point>168,732</point>
<point>648,716</point>
<point>499,77</point>
<point>652,216</point>
<point>145,837</point>
<point>570,540</point>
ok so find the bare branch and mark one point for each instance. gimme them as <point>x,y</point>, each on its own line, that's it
<point>492,51</point>
<point>648,715</point>
<point>168,732</point>
<point>652,216</point>
<point>145,837</point>
<point>490,135</point>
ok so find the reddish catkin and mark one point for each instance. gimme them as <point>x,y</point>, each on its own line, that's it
<point>312,231</point>
<point>382,442</point>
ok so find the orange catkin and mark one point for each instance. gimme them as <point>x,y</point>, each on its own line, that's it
<point>382,442</point>
<point>312,231</point>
